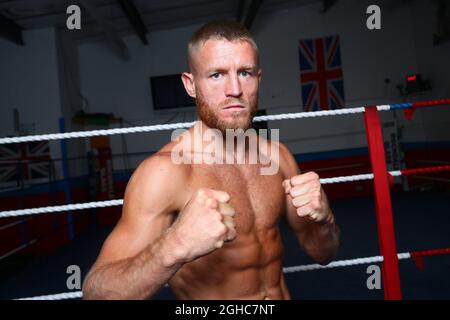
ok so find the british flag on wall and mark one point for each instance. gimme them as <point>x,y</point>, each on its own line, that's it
<point>321,74</point>
<point>24,161</point>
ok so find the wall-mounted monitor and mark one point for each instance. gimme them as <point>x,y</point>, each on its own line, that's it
<point>168,94</point>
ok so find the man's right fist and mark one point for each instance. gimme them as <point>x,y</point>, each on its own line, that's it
<point>205,223</point>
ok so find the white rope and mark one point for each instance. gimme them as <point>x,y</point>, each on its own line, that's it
<point>309,267</point>
<point>384,107</point>
<point>171,126</point>
<point>343,263</point>
<point>94,133</point>
<point>299,115</point>
<point>118,202</point>
<point>356,177</point>
<point>59,296</point>
<point>66,207</point>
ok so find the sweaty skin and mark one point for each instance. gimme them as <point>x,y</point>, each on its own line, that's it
<point>168,231</point>
<point>250,266</point>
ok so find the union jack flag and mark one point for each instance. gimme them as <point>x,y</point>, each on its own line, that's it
<point>321,75</point>
<point>24,161</point>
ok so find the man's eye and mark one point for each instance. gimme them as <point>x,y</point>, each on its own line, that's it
<point>245,73</point>
<point>215,75</point>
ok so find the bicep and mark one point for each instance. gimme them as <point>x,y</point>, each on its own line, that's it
<point>149,206</point>
<point>131,236</point>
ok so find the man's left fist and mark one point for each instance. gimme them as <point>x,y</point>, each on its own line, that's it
<point>308,197</point>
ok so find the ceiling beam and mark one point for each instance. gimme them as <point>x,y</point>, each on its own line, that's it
<point>247,11</point>
<point>135,19</point>
<point>327,4</point>
<point>240,10</point>
<point>251,13</point>
<point>113,13</point>
<point>44,21</point>
<point>11,31</point>
<point>21,4</point>
<point>118,45</point>
<point>58,17</point>
<point>162,19</point>
<point>122,26</point>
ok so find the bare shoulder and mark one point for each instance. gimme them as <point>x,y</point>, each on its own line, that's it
<point>279,153</point>
<point>159,180</point>
<point>154,193</point>
<point>288,164</point>
<point>160,165</point>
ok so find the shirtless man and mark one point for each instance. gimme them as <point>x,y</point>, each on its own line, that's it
<point>211,230</point>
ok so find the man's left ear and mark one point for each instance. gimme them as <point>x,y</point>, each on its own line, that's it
<point>259,74</point>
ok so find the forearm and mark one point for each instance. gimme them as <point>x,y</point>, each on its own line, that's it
<point>321,241</point>
<point>138,277</point>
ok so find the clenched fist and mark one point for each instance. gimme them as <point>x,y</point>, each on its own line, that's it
<point>307,196</point>
<point>205,223</point>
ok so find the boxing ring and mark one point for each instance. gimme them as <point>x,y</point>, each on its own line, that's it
<point>383,180</point>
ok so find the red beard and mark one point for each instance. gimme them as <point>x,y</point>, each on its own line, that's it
<point>208,114</point>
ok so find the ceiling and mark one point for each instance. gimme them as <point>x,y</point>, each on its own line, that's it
<point>146,15</point>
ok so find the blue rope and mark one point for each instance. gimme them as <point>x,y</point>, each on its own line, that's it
<point>400,105</point>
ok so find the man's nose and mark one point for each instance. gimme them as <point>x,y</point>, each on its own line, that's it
<point>233,87</point>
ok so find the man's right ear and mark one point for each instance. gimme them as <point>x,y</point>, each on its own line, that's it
<point>189,85</point>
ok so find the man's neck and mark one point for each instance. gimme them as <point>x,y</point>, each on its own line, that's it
<point>231,140</point>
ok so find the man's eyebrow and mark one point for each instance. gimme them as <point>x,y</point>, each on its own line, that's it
<point>213,69</point>
<point>248,67</point>
<point>220,69</point>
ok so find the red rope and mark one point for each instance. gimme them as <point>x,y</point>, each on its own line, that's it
<point>407,172</point>
<point>429,253</point>
<point>431,103</point>
<point>419,256</point>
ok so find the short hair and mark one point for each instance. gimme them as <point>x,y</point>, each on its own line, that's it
<point>220,29</point>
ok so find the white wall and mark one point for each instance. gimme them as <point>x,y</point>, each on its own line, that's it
<point>123,87</point>
<point>29,75</point>
<point>29,82</point>
<point>369,57</point>
<point>434,63</point>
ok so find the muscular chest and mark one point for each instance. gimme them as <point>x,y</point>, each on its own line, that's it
<point>258,199</point>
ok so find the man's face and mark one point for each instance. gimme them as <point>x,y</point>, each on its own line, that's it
<point>226,80</point>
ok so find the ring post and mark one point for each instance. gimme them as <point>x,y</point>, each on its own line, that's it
<point>386,235</point>
<point>66,181</point>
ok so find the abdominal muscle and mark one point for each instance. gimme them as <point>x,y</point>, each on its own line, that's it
<point>246,268</point>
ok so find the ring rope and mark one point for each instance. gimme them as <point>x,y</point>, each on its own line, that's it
<point>181,125</point>
<point>407,172</point>
<point>118,202</point>
<point>58,296</point>
<point>356,177</point>
<point>95,133</point>
<point>308,267</point>
<point>61,208</point>
<point>171,126</point>
<point>79,294</point>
